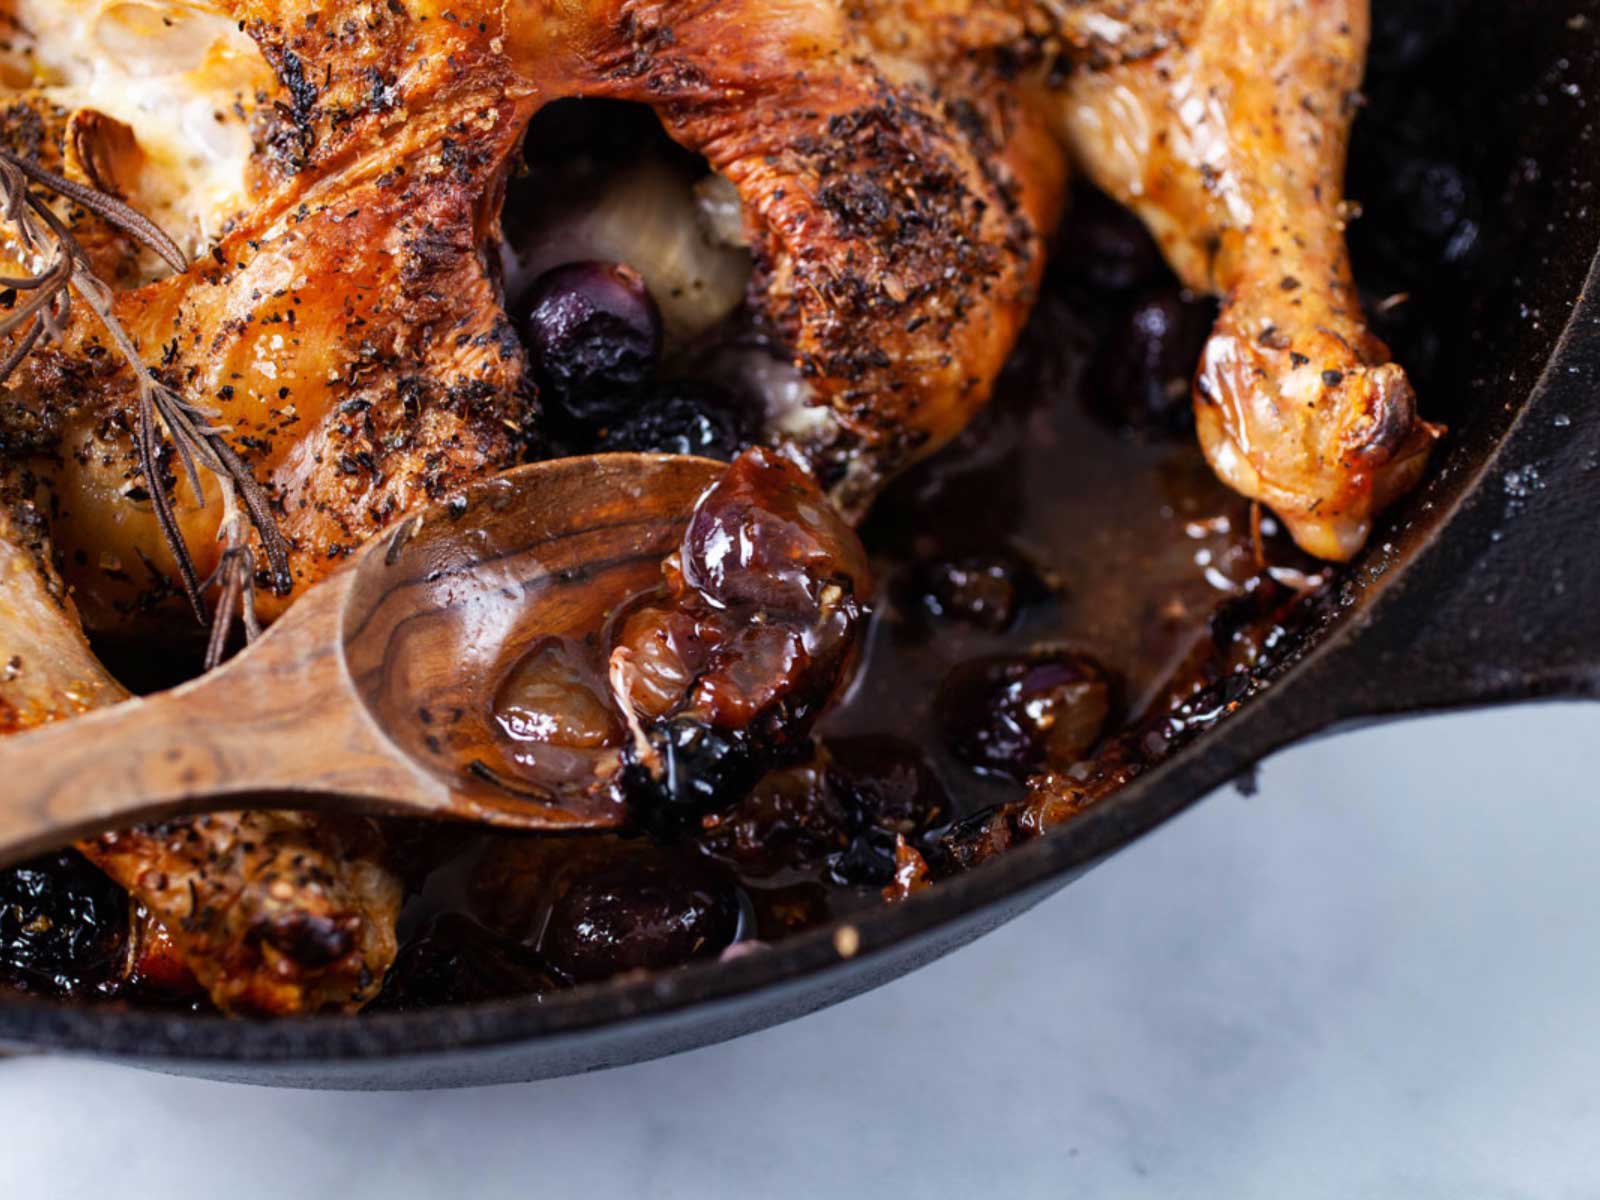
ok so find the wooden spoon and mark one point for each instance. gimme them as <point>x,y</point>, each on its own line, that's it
<point>373,693</point>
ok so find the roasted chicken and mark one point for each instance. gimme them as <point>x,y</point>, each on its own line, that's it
<point>338,175</point>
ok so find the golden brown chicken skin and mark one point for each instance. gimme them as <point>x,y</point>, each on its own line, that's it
<point>348,336</point>
<point>47,671</point>
<point>271,913</point>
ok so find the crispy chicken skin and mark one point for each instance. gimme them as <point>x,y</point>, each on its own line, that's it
<point>1022,35</point>
<point>47,671</point>
<point>272,913</point>
<point>1230,143</point>
<point>347,332</point>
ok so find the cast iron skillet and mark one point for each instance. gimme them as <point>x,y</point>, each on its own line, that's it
<point>1483,590</point>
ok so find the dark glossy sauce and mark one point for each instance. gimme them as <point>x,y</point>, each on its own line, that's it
<point>1076,517</point>
<point>1133,539</point>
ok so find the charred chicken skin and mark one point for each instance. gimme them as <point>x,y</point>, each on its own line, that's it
<point>899,165</point>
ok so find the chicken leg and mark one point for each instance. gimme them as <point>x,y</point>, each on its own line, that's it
<point>1228,138</point>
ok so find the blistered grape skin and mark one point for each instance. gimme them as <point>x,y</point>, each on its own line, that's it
<point>1015,715</point>
<point>983,591</point>
<point>639,911</point>
<point>456,960</point>
<point>63,928</point>
<point>1140,377</point>
<point>680,418</point>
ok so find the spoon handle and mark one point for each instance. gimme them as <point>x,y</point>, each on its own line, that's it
<point>279,722</point>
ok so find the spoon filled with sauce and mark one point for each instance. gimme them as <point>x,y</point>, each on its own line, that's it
<point>581,644</point>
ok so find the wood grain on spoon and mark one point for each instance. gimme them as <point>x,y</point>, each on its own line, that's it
<point>372,694</point>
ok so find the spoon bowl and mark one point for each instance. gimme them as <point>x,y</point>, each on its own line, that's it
<point>374,692</point>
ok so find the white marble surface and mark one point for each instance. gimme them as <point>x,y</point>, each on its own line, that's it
<point>1378,977</point>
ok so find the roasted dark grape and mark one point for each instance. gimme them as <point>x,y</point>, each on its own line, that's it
<point>841,811</point>
<point>886,791</point>
<point>868,861</point>
<point>647,909</point>
<point>63,928</point>
<point>986,591</point>
<point>696,769</point>
<point>780,911</point>
<point>594,336</point>
<point>680,418</point>
<point>791,821</point>
<point>455,960</point>
<point>1424,212</point>
<point>885,782</point>
<point>730,663</point>
<point>1405,32</point>
<point>1106,247</point>
<point>1012,716</point>
<point>1139,379</point>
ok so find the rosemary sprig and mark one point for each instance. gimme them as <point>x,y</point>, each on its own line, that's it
<point>162,414</point>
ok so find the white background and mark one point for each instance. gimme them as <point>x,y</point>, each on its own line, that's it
<point>1378,977</point>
